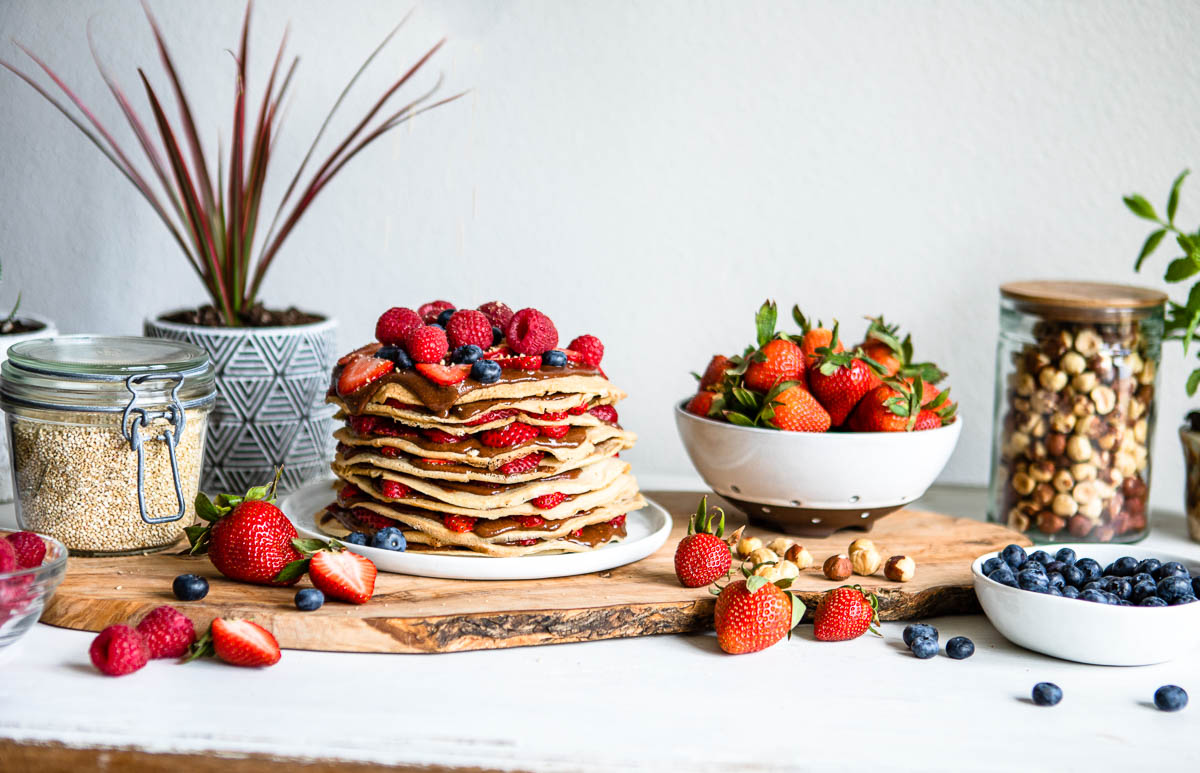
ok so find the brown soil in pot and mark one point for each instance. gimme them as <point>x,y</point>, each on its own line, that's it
<point>255,316</point>
<point>18,326</point>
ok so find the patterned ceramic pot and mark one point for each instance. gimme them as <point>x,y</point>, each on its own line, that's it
<point>49,331</point>
<point>270,411</point>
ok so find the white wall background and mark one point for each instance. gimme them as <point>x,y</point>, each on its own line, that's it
<point>650,171</point>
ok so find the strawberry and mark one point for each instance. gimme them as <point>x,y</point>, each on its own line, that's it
<point>499,314</point>
<point>389,451</point>
<point>778,361</point>
<point>430,311</point>
<point>491,416</point>
<point>247,538</point>
<point>531,521</point>
<point>438,436</point>
<point>395,324</point>
<point>371,519</point>
<point>238,643</point>
<point>348,492</point>
<point>531,332</point>
<point>361,371</point>
<point>469,327</point>
<point>927,420</point>
<point>796,410</point>
<point>715,372</point>
<point>364,425</point>
<point>573,356</point>
<point>394,489</point>
<point>884,409</point>
<point>531,362</point>
<point>884,345</point>
<point>28,548</point>
<point>590,348</point>
<point>548,501</point>
<point>523,465</point>
<point>883,354</point>
<point>167,632</point>
<point>459,523</point>
<point>702,556</point>
<point>605,413</point>
<point>555,432</point>
<point>753,614</point>
<point>444,375</point>
<point>701,404</point>
<point>845,613</point>
<point>578,410</point>
<point>815,338</point>
<point>508,436</point>
<point>118,650</point>
<point>335,571</point>
<point>427,344</point>
<point>551,416</point>
<point>362,351</point>
<point>840,379</point>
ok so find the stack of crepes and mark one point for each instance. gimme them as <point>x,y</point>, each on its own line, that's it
<point>471,459</point>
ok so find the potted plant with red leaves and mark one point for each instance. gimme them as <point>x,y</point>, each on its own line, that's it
<point>272,366</point>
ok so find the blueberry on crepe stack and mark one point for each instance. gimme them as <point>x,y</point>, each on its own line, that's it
<point>473,433</point>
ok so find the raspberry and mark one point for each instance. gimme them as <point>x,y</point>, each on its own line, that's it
<point>439,437</point>
<point>167,632</point>
<point>119,650</point>
<point>427,344</point>
<point>430,311</point>
<point>531,521</point>
<point>497,313</point>
<point>28,547</point>
<point>579,410</point>
<point>349,492</point>
<point>512,435</point>
<point>459,523</point>
<point>531,332</point>
<point>549,501</point>
<point>532,362</point>
<point>618,522</point>
<point>591,349</point>
<point>395,324</point>
<point>523,465</point>
<point>394,489</point>
<point>492,416</point>
<point>372,519</point>
<point>556,432</point>
<point>8,557</point>
<point>469,327</point>
<point>363,425</point>
<point>605,413</point>
<point>389,451</point>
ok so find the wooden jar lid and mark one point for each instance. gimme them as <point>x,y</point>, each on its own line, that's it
<point>1092,301</point>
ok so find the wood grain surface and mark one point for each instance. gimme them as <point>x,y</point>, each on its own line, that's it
<point>418,614</point>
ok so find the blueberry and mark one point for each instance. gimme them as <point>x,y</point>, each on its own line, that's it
<point>1186,599</point>
<point>1196,585</point>
<point>1056,580</point>
<point>1013,555</point>
<point>1033,581</point>
<point>1004,576</point>
<point>1090,594</point>
<point>1170,697</point>
<point>1152,601</point>
<point>1047,694</point>
<point>190,587</point>
<point>554,359</point>
<point>356,538</point>
<point>1073,575</point>
<point>924,647</point>
<point>1123,603</point>
<point>1070,592</point>
<point>1114,599</point>
<point>444,318</point>
<point>396,355</point>
<point>960,648</point>
<point>1091,569</point>
<point>497,336</point>
<point>1066,555</point>
<point>1140,578</point>
<point>1032,566</point>
<point>1041,556</point>
<point>308,599</point>
<point>1120,587</point>
<point>1098,585</point>
<point>914,631</point>
<point>1148,566</point>
<point>465,355</point>
<point>389,538</point>
<point>1143,591</point>
<point>486,371</point>
<point>1171,588</point>
<point>1125,566</point>
<point>1055,566</point>
<point>1171,569</point>
<point>1054,590</point>
<point>992,564</point>
<point>438,325</point>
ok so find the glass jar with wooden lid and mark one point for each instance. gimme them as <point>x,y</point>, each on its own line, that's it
<point>1076,366</point>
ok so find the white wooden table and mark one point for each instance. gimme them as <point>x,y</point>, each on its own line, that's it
<point>656,703</point>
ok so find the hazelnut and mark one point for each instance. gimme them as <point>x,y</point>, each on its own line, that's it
<point>799,556</point>
<point>1079,449</point>
<point>1052,379</point>
<point>1017,444</point>
<point>1110,477</point>
<point>900,569</point>
<point>762,556</point>
<point>1081,406</point>
<point>1044,402</point>
<point>1134,363</point>
<point>1042,471</point>
<point>1137,408</point>
<point>1086,424</point>
<point>748,545</point>
<point>1036,450</point>
<point>1087,342</point>
<point>1023,484</point>
<point>1139,431</point>
<point>861,543</point>
<point>1056,444</point>
<point>1063,481</point>
<point>866,562</point>
<point>1083,471</point>
<point>787,570</point>
<point>1064,505</point>
<point>1049,523</point>
<point>1043,495</point>
<point>1084,382</point>
<point>779,545</point>
<point>1024,385</point>
<point>1073,363</point>
<point>1104,398</point>
<point>1085,492</point>
<point>1092,510</point>
<point>1063,422</point>
<point>837,567</point>
<point>1105,533</point>
<point>1148,372</point>
<point>1125,463</point>
<point>1018,520</point>
<point>770,572</point>
<point>1079,526</point>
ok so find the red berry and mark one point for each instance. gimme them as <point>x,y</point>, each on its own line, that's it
<point>243,643</point>
<point>511,435</point>
<point>459,523</point>
<point>491,416</point>
<point>349,492</point>
<point>751,621</point>
<point>605,413</point>
<point>526,542</point>
<point>531,521</point>
<point>617,522</point>
<point>363,425</point>
<point>701,403</point>
<point>29,548</point>
<point>523,465</point>
<point>8,557</point>
<point>531,362</point>
<point>548,416</point>
<point>845,613</point>
<point>430,311</point>
<point>590,347</point>
<point>556,432</point>
<point>427,344</point>
<point>253,543</point>
<point>362,371</point>
<point>702,556</point>
<point>549,501</point>
<point>531,332</point>
<point>715,372</point>
<point>579,410</point>
<point>343,575</point>
<point>167,632</point>
<point>438,436</point>
<point>394,489</point>
<point>119,650</point>
<point>498,314</point>
<point>389,451</point>
<point>444,375</point>
<point>395,324</point>
<point>469,327</point>
<point>372,519</point>
<point>438,462</point>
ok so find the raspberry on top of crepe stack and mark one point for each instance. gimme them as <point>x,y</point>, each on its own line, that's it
<point>472,432</point>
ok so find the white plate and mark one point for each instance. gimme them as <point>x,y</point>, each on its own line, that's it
<point>647,530</point>
<point>1085,631</point>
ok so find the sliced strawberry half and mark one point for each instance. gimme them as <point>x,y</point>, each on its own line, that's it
<point>572,355</point>
<point>362,371</point>
<point>444,375</point>
<point>343,575</point>
<point>459,523</point>
<point>237,642</point>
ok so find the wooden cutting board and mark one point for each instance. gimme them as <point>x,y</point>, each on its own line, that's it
<point>418,614</point>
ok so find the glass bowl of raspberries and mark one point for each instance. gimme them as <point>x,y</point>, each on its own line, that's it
<point>31,567</point>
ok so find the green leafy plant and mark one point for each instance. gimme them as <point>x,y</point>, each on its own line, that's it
<point>10,322</point>
<point>1182,318</point>
<point>219,225</point>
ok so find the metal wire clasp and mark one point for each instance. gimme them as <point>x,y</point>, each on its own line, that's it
<point>142,417</point>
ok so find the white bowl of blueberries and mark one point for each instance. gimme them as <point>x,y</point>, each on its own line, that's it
<point>1109,605</point>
